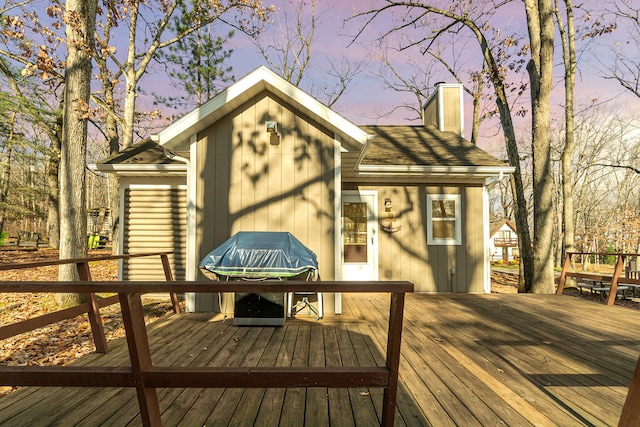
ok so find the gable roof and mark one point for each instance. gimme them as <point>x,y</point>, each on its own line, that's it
<point>143,158</point>
<point>497,226</point>
<point>425,149</point>
<point>253,83</point>
<point>400,151</point>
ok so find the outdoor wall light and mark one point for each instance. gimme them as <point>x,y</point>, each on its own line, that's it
<point>272,127</point>
<point>272,130</point>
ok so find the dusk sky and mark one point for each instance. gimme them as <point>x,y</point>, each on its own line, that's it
<point>368,101</point>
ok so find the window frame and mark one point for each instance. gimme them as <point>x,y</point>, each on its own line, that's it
<point>457,239</point>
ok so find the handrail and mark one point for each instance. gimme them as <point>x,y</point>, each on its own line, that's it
<point>44,263</point>
<point>91,304</point>
<point>615,279</point>
<point>146,378</point>
<point>629,415</point>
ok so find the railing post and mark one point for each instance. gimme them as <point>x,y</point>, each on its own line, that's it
<point>394,340</point>
<point>138,343</point>
<point>168,275</point>
<point>617,271</point>
<point>99,339</point>
<point>630,411</point>
<point>563,275</point>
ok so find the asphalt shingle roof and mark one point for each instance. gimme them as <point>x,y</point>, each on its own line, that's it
<point>143,152</point>
<point>425,146</point>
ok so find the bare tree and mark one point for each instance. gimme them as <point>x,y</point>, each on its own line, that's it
<point>474,21</point>
<point>124,72</point>
<point>287,44</point>
<point>5,167</point>
<point>626,65</point>
<point>606,196</point>
<point>567,37</point>
<point>541,36</point>
<point>154,22</point>
<point>33,104</point>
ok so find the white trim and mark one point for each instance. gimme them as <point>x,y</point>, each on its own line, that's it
<point>190,273</point>
<point>435,170</point>
<point>461,109</point>
<point>440,107</point>
<point>140,169</point>
<point>337,179</point>
<point>161,186</point>
<point>260,79</point>
<point>457,240</point>
<point>486,265</point>
<point>375,243</point>
<point>121,230</point>
<point>363,152</point>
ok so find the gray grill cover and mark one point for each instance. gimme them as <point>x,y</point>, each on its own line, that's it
<point>261,254</point>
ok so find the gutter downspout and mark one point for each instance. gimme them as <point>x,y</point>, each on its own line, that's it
<point>356,165</point>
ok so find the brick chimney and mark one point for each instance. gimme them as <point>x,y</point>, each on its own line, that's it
<point>444,109</point>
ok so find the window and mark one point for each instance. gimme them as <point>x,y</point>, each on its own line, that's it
<point>354,218</point>
<point>443,219</point>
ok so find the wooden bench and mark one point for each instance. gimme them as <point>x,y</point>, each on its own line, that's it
<point>29,239</point>
<point>604,290</point>
<point>601,288</point>
<point>588,284</point>
<point>596,282</point>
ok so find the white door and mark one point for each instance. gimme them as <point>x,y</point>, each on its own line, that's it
<point>359,235</point>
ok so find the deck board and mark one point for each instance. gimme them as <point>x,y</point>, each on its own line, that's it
<point>466,360</point>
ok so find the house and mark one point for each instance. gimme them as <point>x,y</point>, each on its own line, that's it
<point>503,242</point>
<point>373,202</point>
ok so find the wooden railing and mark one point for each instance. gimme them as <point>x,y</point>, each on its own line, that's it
<point>614,280</point>
<point>502,241</point>
<point>91,305</point>
<point>629,416</point>
<point>146,378</point>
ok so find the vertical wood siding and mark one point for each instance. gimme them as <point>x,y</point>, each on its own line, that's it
<point>246,183</point>
<point>405,255</point>
<point>449,108</point>
<point>154,221</point>
<point>451,101</point>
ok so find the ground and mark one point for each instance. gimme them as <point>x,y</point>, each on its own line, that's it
<point>62,343</point>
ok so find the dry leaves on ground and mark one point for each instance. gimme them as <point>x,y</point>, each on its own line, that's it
<point>63,342</point>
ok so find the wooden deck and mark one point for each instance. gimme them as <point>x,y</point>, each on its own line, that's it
<point>500,359</point>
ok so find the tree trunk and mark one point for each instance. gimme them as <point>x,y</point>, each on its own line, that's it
<point>53,202</point>
<point>131,80</point>
<point>569,59</point>
<point>540,67</point>
<point>80,18</point>
<point>53,206</point>
<point>113,182</point>
<point>520,201</point>
<point>6,171</point>
<point>477,96</point>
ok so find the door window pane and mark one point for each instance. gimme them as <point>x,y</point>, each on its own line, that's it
<point>354,220</point>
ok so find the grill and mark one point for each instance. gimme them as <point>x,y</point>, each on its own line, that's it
<point>261,256</point>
